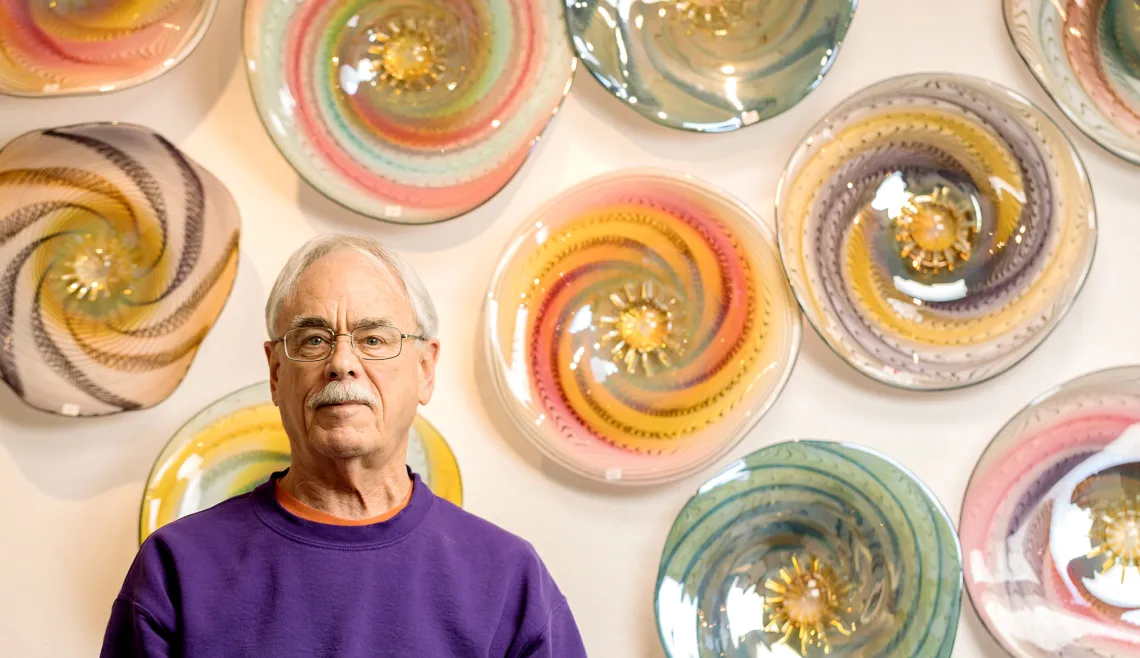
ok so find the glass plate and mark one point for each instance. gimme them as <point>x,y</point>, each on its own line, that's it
<point>1050,522</point>
<point>709,65</point>
<point>809,548</point>
<point>414,111</point>
<point>638,325</point>
<point>1086,54</point>
<point>236,443</point>
<point>65,47</point>
<point>935,229</point>
<point>118,253</point>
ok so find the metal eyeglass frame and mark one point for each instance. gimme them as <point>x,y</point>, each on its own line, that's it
<point>351,344</point>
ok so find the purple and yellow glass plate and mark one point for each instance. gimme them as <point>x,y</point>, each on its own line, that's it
<point>411,112</point>
<point>935,229</point>
<point>1050,525</point>
<point>69,47</point>
<point>117,254</point>
<point>638,325</point>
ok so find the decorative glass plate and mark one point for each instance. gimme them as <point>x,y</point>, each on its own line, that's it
<point>638,325</point>
<point>935,229</point>
<point>118,254</point>
<point>1050,522</point>
<point>414,111</point>
<point>64,47</point>
<point>809,548</point>
<point>1086,53</point>
<point>709,65</point>
<point>236,443</point>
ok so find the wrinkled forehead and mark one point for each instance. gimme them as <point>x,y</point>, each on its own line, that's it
<point>352,286</point>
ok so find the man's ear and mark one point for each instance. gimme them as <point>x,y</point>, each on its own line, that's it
<point>428,357</point>
<point>274,365</point>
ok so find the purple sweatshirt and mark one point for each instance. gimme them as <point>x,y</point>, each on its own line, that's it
<point>247,578</point>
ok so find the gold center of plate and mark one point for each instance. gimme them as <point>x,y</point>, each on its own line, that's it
<point>934,233</point>
<point>806,602</point>
<point>642,328</point>
<point>1115,535</point>
<point>98,269</point>
<point>715,16</point>
<point>408,56</point>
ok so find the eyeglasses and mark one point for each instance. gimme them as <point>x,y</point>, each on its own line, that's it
<point>369,343</point>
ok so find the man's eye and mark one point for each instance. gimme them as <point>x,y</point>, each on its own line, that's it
<point>314,341</point>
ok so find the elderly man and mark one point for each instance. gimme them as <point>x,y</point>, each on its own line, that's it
<point>347,552</point>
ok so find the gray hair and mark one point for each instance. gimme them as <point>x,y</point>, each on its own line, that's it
<point>423,309</point>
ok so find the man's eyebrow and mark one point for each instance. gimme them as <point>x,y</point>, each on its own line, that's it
<point>310,321</point>
<point>375,323</point>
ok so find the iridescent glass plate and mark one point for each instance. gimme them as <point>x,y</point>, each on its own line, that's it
<point>411,111</point>
<point>236,443</point>
<point>935,229</point>
<point>709,65</point>
<point>810,548</point>
<point>63,47</point>
<point>638,325</point>
<point>1086,53</point>
<point>1050,522</point>
<point>117,254</point>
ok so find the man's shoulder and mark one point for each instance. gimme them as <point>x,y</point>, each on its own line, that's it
<point>474,533</point>
<point>207,527</point>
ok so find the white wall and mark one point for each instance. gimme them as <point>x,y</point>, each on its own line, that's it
<point>70,489</point>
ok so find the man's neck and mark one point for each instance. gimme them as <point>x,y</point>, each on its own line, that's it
<point>352,489</point>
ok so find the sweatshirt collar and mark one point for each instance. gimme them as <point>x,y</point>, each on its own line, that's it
<point>375,535</point>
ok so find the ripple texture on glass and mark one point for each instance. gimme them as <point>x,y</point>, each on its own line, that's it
<point>237,442</point>
<point>709,65</point>
<point>117,254</point>
<point>638,325</point>
<point>1050,522</point>
<point>1086,53</point>
<point>810,548</point>
<point>58,47</point>
<point>410,112</point>
<point>935,229</point>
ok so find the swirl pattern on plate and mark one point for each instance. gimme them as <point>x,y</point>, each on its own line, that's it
<point>1086,54</point>
<point>1051,522</point>
<point>414,111</point>
<point>54,47</point>
<point>810,548</point>
<point>935,229</point>
<point>709,65</point>
<point>236,443</point>
<point>118,253</point>
<point>639,324</point>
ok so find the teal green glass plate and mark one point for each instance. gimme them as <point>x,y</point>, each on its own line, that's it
<point>810,548</point>
<point>709,65</point>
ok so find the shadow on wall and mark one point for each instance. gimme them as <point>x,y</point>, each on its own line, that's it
<point>70,458</point>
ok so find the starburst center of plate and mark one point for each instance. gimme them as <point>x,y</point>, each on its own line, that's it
<point>934,231</point>
<point>807,601</point>
<point>97,269</point>
<point>409,55</point>
<point>642,328</point>
<point>1115,534</point>
<point>715,16</point>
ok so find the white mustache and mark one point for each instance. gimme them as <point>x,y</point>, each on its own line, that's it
<point>340,392</point>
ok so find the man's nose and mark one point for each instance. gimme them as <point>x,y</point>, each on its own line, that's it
<point>343,361</point>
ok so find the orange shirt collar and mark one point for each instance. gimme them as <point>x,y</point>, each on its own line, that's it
<point>301,510</point>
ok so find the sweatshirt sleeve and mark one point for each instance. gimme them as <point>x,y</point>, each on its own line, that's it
<point>143,618</point>
<point>133,631</point>
<point>559,639</point>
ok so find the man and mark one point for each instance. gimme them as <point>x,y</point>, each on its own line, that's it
<point>347,552</point>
